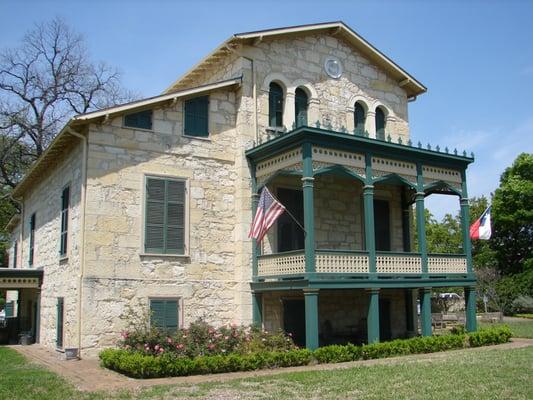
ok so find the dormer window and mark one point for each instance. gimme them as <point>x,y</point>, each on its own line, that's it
<point>275,105</point>
<point>140,120</point>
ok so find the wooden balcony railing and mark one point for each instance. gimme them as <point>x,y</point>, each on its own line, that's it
<point>292,263</point>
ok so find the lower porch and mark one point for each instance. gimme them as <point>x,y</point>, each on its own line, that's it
<point>324,313</point>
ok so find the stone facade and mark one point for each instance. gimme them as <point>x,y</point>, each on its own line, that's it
<point>212,279</point>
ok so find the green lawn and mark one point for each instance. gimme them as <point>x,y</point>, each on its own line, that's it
<point>485,374</point>
<point>521,327</point>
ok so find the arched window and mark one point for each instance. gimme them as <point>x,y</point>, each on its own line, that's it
<point>380,124</point>
<point>275,105</point>
<point>359,118</point>
<point>300,107</point>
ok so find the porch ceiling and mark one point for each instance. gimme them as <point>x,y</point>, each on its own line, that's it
<point>12,278</point>
<point>354,143</point>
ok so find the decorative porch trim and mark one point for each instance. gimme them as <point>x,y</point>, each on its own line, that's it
<point>433,175</point>
<point>447,265</point>
<point>289,160</point>
<point>341,263</point>
<point>385,166</point>
<point>326,157</point>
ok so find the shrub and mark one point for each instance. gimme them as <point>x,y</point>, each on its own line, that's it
<point>139,364</point>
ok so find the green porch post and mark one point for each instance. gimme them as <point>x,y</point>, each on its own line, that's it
<point>421,220</point>
<point>425,311</point>
<point>406,222</point>
<point>311,318</point>
<point>465,224</point>
<point>368,199</point>
<point>257,309</point>
<point>255,202</point>
<point>470,303</point>
<point>309,213</point>
<point>372,319</point>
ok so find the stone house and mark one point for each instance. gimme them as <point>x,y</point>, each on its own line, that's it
<point>145,207</point>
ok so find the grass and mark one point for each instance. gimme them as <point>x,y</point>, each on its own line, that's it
<point>529,316</point>
<point>465,374</point>
<point>522,328</point>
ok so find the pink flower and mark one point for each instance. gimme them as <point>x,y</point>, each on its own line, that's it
<point>211,346</point>
<point>169,340</point>
<point>124,335</point>
<point>180,346</point>
<point>290,334</point>
<point>156,348</point>
<point>161,350</point>
<point>226,337</point>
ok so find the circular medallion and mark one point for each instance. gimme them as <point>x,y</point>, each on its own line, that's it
<point>333,67</point>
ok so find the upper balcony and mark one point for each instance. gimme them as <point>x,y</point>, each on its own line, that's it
<point>351,201</point>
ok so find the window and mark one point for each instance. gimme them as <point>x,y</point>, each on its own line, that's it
<point>59,321</point>
<point>32,238</point>
<point>359,118</point>
<point>15,253</point>
<point>300,105</point>
<point>196,117</point>
<point>164,315</point>
<point>141,119</point>
<point>275,105</point>
<point>65,203</point>
<point>165,216</point>
<point>380,124</point>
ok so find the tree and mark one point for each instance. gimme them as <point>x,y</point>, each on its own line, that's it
<point>512,217</point>
<point>46,80</point>
<point>43,82</point>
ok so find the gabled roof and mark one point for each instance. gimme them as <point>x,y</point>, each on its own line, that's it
<point>338,28</point>
<point>65,139</point>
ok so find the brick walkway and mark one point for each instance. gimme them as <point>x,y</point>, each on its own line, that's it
<point>87,375</point>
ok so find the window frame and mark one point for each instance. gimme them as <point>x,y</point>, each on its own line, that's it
<point>31,252</point>
<point>143,252</point>
<point>151,129</point>
<point>64,221</point>
<point>15,254</point>
<point>184,113</point>
<point>179,311</point>
<point>297,102</point>
<point>384,133</point>
<point>355,119</point>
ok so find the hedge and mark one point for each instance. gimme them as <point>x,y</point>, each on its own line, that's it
<point>138,365</point>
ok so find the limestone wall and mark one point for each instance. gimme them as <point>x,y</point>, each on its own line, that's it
<point>299,62</point>
<point>60,273</point>
<point>119,277</point>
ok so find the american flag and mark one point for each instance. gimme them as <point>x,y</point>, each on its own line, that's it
<point>268,210</point>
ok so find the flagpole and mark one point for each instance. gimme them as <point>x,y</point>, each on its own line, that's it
<point>290,214</point>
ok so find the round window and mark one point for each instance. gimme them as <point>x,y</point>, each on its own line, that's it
<point>333,67</point>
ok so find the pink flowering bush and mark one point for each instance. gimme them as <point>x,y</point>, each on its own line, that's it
<point>201,339</point>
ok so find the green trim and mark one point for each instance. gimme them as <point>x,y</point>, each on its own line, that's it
<point>255,202</point>
<point>394,178</point>
<point>425,311</point>
<point>309,210</point>
<point>420,219</point>
<point>373,316</point>
<point>436,187</point>
<point>339,170</point>
<point>311,319</point>
<point>351,281</point>
<point>470,303</point>
<point>349,142</point>
<point>368,200</point>
<point>465,224</point>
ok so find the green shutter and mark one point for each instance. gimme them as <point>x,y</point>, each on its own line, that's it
<point>164,315</point>
<point>32,238</point>
<point>59,322</point>
<point>165,216</point>
<point>196,117</point>
<point>300,106</point>
<point>380,124</point>
<point>65,203</point>
<point>141,119</point>
<point>9,308</point>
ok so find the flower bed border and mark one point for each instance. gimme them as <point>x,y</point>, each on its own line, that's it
<point>138,365</point>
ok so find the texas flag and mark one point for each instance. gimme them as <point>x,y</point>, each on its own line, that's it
<point>481,228</point>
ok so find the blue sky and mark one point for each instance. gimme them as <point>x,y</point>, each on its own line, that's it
<point>475,57</point>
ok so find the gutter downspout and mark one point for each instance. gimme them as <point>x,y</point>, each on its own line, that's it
<point>83,204</point>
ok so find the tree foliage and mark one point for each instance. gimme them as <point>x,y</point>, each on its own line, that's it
<point>44,81</point>
<point>512,214</point>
